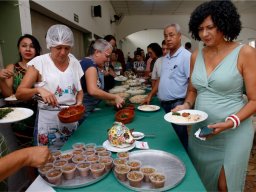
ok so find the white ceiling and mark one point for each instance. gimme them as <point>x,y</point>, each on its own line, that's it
<point>170,7</point>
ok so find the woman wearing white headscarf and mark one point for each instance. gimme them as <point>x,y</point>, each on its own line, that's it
<point>55,76</point>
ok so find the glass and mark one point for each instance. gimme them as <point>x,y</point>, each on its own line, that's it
<point>106,66</point>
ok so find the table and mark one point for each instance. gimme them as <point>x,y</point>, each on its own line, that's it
<point>94,130</point>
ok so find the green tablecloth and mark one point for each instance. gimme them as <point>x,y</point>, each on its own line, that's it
<point>94,130</point>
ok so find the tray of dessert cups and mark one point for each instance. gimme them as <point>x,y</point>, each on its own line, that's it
<point>83,165</point>
<point>139,171</point>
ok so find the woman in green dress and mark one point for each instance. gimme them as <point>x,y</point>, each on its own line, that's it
<point>218,71</point>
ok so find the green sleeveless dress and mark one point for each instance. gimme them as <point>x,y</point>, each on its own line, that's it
<point>220,95</point>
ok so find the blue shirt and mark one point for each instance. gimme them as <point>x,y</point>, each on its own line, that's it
<point>174,77</point>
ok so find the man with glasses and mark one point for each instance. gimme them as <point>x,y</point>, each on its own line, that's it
<point>173,81</point>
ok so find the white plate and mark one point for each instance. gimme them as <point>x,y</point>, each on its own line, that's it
<point>179,121</point>
<point>11,98</point>
<point>110,147</point>
<point>148,108</point>
<point>120,78</point>
<point>17,114</point>
<point>137,135</point>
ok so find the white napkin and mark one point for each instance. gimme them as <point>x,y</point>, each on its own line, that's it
<point>39,186</point>
<point>141,145</point>
<point>197,135</point>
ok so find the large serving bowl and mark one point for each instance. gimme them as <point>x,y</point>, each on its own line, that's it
<point>125,115</point>
<point>71,114</point>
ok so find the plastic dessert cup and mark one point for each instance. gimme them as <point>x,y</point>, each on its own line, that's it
<point>104,154</point>
<point>83,169</point>
<point>90,146</point>
<point>78,152</point>
<point>107,161</point>
<point>78,159</point>
<point>56,154</point>
<point>67,157</point>
<point>123,155</point>
<point>135,178</point>
<point>58,164</point>
<point>80,146</point>
<point>90,152</point>
<point>68,171</point>
<point>117,162</point>
<point>121,172</point>
<point>43,170</point>
<point>92,159</point>
<point>147,171</point>
<point>97,169</point>
<point>157,180</point>
<point>54,176</point>
<point>100,149</point>
<point>134,164</point>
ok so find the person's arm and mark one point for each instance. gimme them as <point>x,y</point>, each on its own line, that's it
<point>152,92</point>
<point>31,156</point>
<point>26,90</point>
<point>6,80</point>
<point>92,88</point>
<point>191,91</point>
<point>79,97</point>
<point>246,66</point>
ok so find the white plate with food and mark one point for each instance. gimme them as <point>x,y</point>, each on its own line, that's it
<point>112,148</point>
<point>120,78</point>
<point>148,108</point>
<point>186,117</point>
<point>11,98</point>
<point>137,135</point>
<point>14,114</point>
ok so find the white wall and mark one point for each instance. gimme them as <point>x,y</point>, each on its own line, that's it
<point>142,39</point>
<point>98,25</point>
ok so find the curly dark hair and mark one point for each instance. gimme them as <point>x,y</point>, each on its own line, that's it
<point>224,15</point>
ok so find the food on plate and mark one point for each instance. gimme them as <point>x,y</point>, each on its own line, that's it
<point>97,169</point>
<point>185,117</point>
<point>135,178</point>
<point>120,78</point>
<point>157,180</point>
<point>119,89</point>
<point>124,115</point>
<point>121,172</point>
<point>148,107</point>
<point>119,135</point>
<point>71,114</point>
<point>135,91</point>
<point>147,171</point>
<point>137,98</point>
<point>5,111</point>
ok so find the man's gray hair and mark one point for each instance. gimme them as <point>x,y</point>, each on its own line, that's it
<point>175,25</point>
